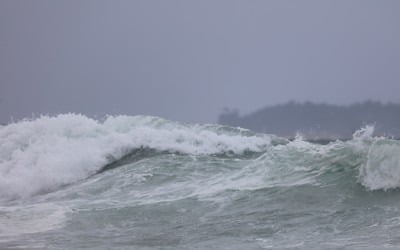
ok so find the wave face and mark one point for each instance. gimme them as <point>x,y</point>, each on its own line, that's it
<point>42,154</point>
<point>251,190</point>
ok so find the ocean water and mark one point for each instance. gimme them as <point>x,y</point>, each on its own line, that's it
<point>72,182</point>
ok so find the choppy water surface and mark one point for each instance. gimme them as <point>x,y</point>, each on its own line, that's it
<point>71,182</point>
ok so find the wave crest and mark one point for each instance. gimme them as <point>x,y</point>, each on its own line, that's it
<point>42,154</point>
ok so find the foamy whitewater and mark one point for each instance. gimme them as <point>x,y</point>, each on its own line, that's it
<point>72,182</point>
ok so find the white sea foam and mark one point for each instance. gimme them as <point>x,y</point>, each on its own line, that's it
<point>382,168</point>
<point>18,220</point>
<point>42,154</point>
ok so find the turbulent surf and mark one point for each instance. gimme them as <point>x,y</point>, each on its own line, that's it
<point>73,182</point>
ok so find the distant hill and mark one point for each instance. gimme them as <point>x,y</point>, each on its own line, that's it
<point>316,121</point>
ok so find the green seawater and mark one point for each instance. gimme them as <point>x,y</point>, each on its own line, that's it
<point>278,195</point>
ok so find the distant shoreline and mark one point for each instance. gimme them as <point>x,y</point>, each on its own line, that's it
<point>318,121</point>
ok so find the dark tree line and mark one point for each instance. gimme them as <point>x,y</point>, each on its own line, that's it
<point>318,120</point>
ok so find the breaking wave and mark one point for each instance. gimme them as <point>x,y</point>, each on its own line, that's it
<point>43,154</point>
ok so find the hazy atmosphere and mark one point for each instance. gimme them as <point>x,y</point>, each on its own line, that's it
<point>232,124</point>
<point>187,60</point>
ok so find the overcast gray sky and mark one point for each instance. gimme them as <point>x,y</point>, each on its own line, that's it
<point>187,60</point>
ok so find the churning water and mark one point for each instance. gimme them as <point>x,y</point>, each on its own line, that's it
<point>71,182</point>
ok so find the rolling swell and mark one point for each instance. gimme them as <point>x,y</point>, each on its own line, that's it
<point>44,154</point>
